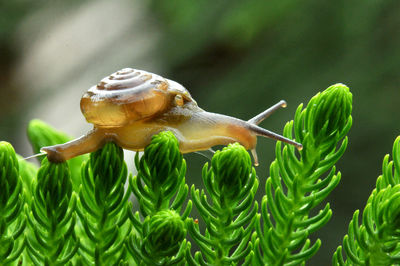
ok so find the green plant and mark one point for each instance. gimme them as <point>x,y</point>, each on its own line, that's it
<point>376,241</point>
<point>79,212</point>
<point>12,220</point>
<point>231,183</point>
<point>51,239</point>
<point>297,183</point>
<point>103,208</point>
<point>161,176</point>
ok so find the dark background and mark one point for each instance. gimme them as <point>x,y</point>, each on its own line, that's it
<point>235,57</point>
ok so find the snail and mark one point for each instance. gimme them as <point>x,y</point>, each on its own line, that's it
<point>130,106</point>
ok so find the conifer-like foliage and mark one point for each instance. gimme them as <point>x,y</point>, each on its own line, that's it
<point>230,214</point>
<point>301,180</point>
<point>103,208</point>
<point>162,171</point>
<point>80,212</point>
<point>161,191</point>
<point>375,240</point>
<point>51,239</point>
<point>12,220</point>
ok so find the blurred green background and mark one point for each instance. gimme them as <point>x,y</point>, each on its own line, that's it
<point>235,57</point>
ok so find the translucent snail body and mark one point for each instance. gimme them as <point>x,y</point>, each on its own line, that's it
<point>130,106</point>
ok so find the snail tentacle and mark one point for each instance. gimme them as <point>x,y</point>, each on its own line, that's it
<point>262,116</point>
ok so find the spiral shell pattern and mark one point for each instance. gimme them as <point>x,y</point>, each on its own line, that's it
<point>128,95</point>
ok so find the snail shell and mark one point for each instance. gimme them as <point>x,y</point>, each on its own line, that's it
<point>130,95</point>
